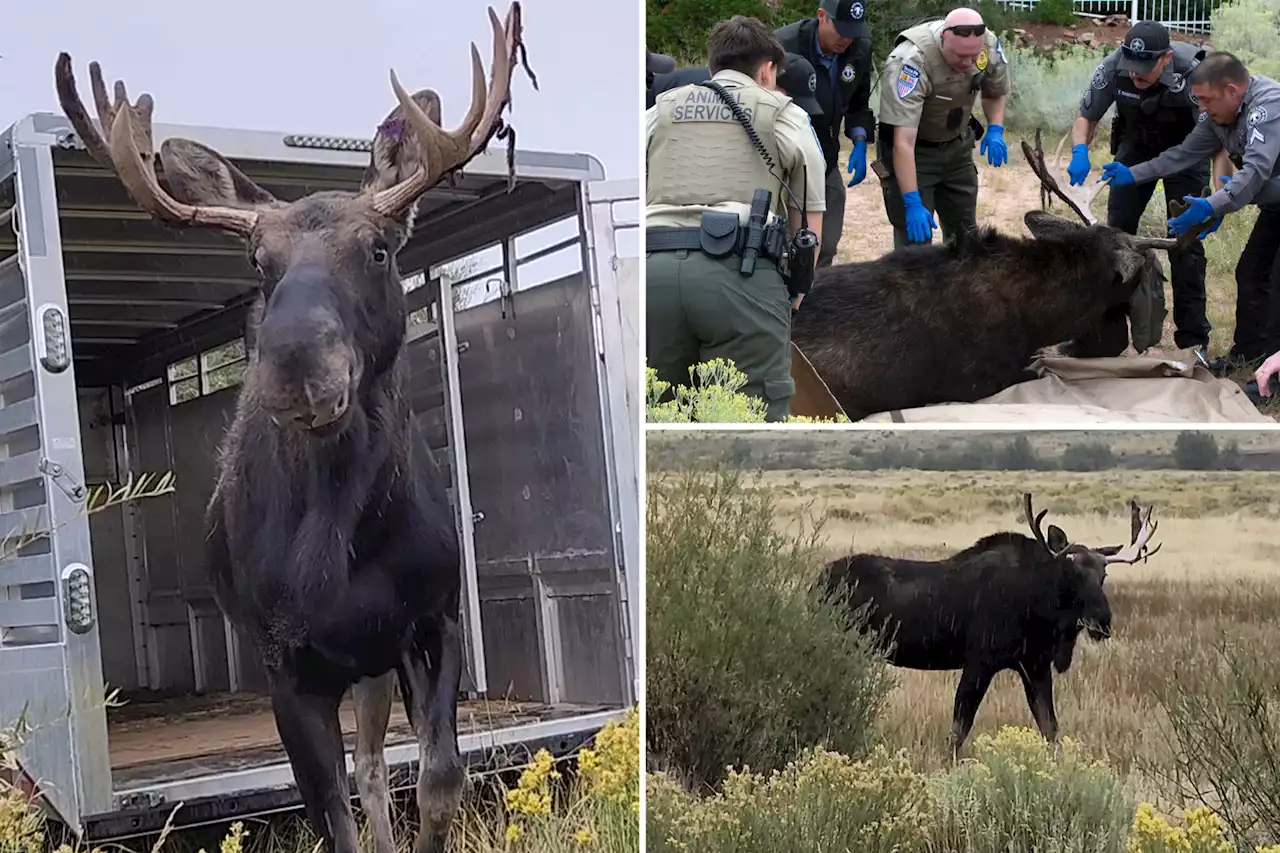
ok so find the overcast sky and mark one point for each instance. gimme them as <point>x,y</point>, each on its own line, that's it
<point>322,67</point>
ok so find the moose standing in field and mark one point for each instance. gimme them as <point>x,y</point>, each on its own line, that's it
<point>1008,601</point>
<point>961,321</point>
<point>331,543</point>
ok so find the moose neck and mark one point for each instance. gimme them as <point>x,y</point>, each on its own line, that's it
<point>1081,289</point>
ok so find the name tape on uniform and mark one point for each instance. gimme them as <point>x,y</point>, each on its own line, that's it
<point>705,105</point>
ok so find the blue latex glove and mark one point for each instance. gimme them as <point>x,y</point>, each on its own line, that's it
<point>1118,173</point>
<point>858,162</point>
<point>920,222</point>
<point>1198,212</point>
<point>1079,168</point>
<point>1217,222</point>
<point>994,147</point>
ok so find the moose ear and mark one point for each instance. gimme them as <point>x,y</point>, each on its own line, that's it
<point>396,154</point>
<point>196,174</point>
<point>1042,224</point>
<point>1130,264</point>
<point>1057,539</point>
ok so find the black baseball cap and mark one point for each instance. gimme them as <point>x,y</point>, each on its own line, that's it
<point>1143,46</point>
<point>660,63</point>
<point>849,16</point>
<point>798,79</point>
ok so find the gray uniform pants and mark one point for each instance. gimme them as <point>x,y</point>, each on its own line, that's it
<point>833,217</point>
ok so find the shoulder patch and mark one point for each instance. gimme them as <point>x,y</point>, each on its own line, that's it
<point>999,52</point>
<point>1099,81</point>
<point>1202,117</point>
<point>1178,83</point>
<point>1257,115</point>
<point>908,79</point>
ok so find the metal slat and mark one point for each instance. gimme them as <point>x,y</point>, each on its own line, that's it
<point>19,469</point>
<point>16,416</point>
<point>29,614</point>
<point>23,521</point>
<point>16,362</point>
<point>20,570</point>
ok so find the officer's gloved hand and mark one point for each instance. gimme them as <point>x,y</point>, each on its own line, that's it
<point>1198,212</point>
<point>858,162</point>
<point>1079,168</point>
<point>994,147</point>
<point>1217,222</point>
<point>1118,173</point>
<point>920,222</point>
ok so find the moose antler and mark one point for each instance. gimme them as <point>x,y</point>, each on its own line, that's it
<point>1034,522</point>
<point>1142,530</point>
<point>446,151</point>
<point>128,150</point>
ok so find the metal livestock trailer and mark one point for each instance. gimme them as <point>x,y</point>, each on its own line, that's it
<point>525,376</point>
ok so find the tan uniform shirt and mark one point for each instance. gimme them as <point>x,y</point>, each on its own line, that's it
<point>919,89</point>
<point>700,158</point>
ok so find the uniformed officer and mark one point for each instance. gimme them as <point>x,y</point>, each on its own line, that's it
<point>1146,79</point>
<point>796,78</point>
<point>837,42</point>
<point>1241,115</point>
<point>927,129</point>
<point>703,169</point>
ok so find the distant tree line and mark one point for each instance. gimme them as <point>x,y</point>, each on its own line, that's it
<point>1192,451</point>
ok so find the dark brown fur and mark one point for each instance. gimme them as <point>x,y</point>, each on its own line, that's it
<point>961,321</point>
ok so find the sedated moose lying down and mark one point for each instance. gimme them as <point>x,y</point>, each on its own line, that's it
<point>1009,601</point>
<point>961,321</point>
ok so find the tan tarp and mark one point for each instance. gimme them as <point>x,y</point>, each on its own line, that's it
<point>1141,389</point>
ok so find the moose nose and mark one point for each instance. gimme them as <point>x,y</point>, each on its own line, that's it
<point>324,412</point>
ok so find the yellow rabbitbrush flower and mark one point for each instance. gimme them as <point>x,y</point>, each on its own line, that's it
<point>611,771</point>
<point>1151,833</point>
<point>532,795</point>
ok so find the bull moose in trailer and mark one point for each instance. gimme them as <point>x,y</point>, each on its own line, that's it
<point>331,543</point>
<point>961,321</point>
<point>1009,601</point>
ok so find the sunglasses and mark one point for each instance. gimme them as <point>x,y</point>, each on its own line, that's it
<point>1142,55</point>
<point>967,30</point>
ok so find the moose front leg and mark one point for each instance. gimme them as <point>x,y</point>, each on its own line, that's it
<point>430,678</point>
<point>1037,682</point>
<point>312,738</point>
<point>974,681</point>
<point>372,698</point>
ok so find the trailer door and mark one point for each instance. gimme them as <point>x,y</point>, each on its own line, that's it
<point>50,663</point>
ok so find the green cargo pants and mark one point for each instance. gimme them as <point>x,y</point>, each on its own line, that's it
<point>699,308</point>
<point>948,184</point>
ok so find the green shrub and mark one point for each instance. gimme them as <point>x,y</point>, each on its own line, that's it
<point>1045,92</point>
<point>1022,794</point>
<point>745,665</point>
<point>823,802</point>
<point>1251,30</point>
<point>713,397</point>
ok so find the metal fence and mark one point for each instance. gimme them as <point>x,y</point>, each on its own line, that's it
<point>1193,16</point>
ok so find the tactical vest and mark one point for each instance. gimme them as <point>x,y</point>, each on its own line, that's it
<point>1159,117</point>
<point>952,93</point>
<point>701,155</point>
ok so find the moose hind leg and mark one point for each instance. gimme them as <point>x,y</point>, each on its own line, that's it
<point>308,728</point>
<point>430,682</point>
<point>1037,682</point>
<point>971,690</point>
<point>372,698</point>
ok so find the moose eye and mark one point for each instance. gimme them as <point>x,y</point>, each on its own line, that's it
<point>380,255</point>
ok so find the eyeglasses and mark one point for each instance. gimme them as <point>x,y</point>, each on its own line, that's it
<point>1142,55</point>
<point>966,30</point>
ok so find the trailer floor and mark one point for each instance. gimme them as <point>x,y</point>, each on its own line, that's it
<point>192,736</point>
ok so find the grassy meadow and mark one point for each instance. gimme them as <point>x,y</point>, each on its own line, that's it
<point>1168,730</point>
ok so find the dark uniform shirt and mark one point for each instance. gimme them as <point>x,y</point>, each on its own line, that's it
<point>844,86</point>
<point>1155,118</point>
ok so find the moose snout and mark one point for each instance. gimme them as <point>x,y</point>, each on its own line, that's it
<point>318,411</point>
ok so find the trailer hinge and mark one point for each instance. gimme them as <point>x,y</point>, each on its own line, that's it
<point>463,346</point>
<point>62,479</point>
<point>143,800</point>
<point>477,517</point>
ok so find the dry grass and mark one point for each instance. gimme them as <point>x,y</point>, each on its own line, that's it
<point>1006,193</point>
<point>1216,571</point>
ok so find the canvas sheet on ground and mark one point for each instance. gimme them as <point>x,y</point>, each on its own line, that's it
<point>1141,389</point>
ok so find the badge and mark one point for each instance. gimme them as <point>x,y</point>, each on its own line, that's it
<point>1137,44</point>
<point>908,79</point>
<point>982,60</point>
<point>813,82</point>
<point>1099,81</point>
<point>1257,115</point>
<point>1178,83</point>
<point>846,73</point>
<point>856,11</point>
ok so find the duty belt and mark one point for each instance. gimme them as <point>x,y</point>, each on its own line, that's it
<point>929,143</point>
<point>672,239</point>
